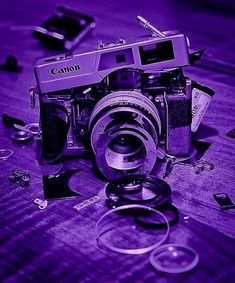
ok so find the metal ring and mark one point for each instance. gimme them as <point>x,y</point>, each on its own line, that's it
<point>21,136</point>
<point>28,128</point>
<point>118,195</point>
<point>138,250</point>
<point>150,150</point>
<point>8,153</point>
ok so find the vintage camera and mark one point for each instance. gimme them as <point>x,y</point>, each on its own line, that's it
<point>127,102</point>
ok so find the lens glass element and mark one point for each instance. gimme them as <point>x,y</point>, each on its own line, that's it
<point>118,230</point>
<point>173,258</point>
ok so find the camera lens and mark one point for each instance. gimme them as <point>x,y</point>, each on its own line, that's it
<point>125,127</point>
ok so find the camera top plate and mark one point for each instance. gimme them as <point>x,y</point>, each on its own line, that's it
<point>147,53</point>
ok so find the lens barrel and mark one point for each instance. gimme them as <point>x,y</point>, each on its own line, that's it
<point>125,127</point>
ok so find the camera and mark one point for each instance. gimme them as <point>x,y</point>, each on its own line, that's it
<point>127,102</point>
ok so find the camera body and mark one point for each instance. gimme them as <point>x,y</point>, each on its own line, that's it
<point>126,101</point>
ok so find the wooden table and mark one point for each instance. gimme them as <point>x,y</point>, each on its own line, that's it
<point>58,244</point>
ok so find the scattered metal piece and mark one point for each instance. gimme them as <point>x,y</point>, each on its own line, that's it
<point>20,177</point>
<point>146,24</point>
<point>86,203</point>
<point>11,64</point>
<point>169,167</point>
<point>29,128</point>
<point>32,128</point>
<point>202,165</point>
<point>186,218</point>
<point>194,160</point>
<point>199,166</point>
<point>224,201</point>
<point>21,136</point>
<point>5,153</point>
<point>207,166</point>
<point>42,204</point>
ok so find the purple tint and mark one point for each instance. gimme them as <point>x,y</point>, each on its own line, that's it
<point>58,244</point>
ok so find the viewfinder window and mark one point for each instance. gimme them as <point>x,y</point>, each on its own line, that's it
<point>157,52</point>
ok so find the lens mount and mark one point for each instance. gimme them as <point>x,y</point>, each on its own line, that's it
<point>138,156</point>
<point>122,107</point>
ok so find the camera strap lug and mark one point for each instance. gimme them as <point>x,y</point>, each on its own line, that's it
<point>42,204</point>
<point>32,95</point>
<point>160,153</point>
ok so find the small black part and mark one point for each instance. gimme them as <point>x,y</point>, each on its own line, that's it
<point>118,195</point>
<point>9,121</point>
<point>224,201</point>
<point>11,64</point>
<point>55,126</point>
<point>169,167</point>
<point>201,148</point>
<point>71,25</point>
<point>56,186</point>
<point>145,221</point>
<point>20,177</point>
<point>231,134</point>
<point>196,56</point>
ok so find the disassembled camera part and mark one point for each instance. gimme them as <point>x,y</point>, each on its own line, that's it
<point>203,165</point>
<point>138,189</point>
<point>196,56</point>
<point>21,136</point>
<point>125,101</point>
<point>224,201</point>
<point>231,134</point>
<point>121,221</point>
<point>144,23</point>
<point>56,185</point>
<point>42,204</point>
<point>9,121</point>
<point>20,177</point>
<point>169,211</point>
<point>5,153</point>
<point>29,128</point>
<point>86,203</point>
<point>201,99</point>
<point>11,64</point>
<point>186,218</point>
<point>199,166</point>
<point>174,258</point>
<point>65,29</point>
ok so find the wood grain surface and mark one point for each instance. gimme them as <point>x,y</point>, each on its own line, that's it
<point>58,244</point>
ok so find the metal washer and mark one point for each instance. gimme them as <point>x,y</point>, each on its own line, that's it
<point>31,126</point>
<point>8,153</point>
<point>21,136</point>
